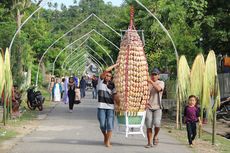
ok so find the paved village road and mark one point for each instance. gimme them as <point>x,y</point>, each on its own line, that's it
<point>78,132</point>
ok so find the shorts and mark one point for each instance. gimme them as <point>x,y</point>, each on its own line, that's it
<point>106,119</point>
<point>153,118</point>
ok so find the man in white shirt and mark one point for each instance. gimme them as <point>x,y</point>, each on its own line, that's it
<point>154,108</point>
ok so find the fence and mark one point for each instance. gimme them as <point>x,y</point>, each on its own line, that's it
<point>170,100</point>
<point>224,81</point>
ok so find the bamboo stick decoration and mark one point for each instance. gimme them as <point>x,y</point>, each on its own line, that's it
<point>132,74</point>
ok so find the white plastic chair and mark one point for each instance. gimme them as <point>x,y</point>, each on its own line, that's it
<point>126,124</point>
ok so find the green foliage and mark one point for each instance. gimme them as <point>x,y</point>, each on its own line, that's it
<point>195,26</point>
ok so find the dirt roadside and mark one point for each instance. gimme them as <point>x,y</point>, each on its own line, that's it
<point>24,129</point>
<point>21,131</point>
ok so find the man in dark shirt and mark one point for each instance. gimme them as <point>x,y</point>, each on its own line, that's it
<point>94,82</point>
<point>82,86</point>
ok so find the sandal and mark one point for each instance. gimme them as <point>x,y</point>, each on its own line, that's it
<point>149,146</point>
<point>155,141</point>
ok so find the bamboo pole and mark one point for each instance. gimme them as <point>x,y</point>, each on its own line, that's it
<point>180,113</point>
<point>214,127</point>
<point>214,111</point>
<point>4,107</point>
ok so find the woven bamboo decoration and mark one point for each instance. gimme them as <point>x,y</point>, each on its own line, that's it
<point>132,74</point>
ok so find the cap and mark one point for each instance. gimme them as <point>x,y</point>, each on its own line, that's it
<point>155,71</point>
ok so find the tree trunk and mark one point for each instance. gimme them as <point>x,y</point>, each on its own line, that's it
<point>19,50</point>
<point>29,77</point>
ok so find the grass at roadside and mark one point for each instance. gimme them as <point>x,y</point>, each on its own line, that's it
<point>203,144</point>
<point>6,134</point>
<point>20,125</point>
<point>15,126</point>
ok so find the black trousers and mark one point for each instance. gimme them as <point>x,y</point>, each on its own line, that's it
<point>71,95</point>
<point>191,131</point>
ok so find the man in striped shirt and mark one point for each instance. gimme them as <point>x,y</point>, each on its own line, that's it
<point>105,112</point>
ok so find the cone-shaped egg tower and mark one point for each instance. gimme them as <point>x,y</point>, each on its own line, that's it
<point>132,73</point>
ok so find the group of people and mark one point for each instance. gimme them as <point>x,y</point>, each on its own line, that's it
<point>70,89</point>
<point>107,102</point>
<point>56,88</point>
<point>66,90</point>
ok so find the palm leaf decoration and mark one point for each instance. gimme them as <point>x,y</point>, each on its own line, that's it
<point>183,89</point>
<point>183,79</point>
<point>8,81</point>
<point>211,85</point>
<point>197,76</point>
<point>2,74</point>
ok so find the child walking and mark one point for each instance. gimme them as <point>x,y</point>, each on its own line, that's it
<point>192,116</point>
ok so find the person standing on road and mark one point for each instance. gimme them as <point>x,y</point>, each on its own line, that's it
<point>94,83</point>
<point>65,96</point>
<point>82,87</point>
<point>105,113</point>
<point>154,108</point>
<point>51,85</point>
<point>62,87</point>
<point>191,116</point>
<point>71,93</point>
<point>57,89</point>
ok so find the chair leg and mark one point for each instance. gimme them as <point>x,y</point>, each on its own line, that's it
<point>141,129</point>
<point>126,131</point>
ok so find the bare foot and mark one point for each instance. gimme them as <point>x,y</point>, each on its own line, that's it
<point>108,144</point>
<point>193,142</point>
<point>104,140</point>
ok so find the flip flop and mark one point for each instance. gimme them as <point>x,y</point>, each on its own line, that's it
<point>155,141</point>
<point>149,146</point>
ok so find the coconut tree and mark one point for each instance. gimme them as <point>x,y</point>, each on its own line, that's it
<point>183,86</point>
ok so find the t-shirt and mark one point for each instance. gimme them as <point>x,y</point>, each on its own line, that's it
<point>191,114</point>
<point>154,99</point>
<point>94,82</point>
<point>105,100</point>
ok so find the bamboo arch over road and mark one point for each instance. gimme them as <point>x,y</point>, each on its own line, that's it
<point>68,33</point>
<point>82,54</point>
<point>82,43</point>
<point>98,34</point>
